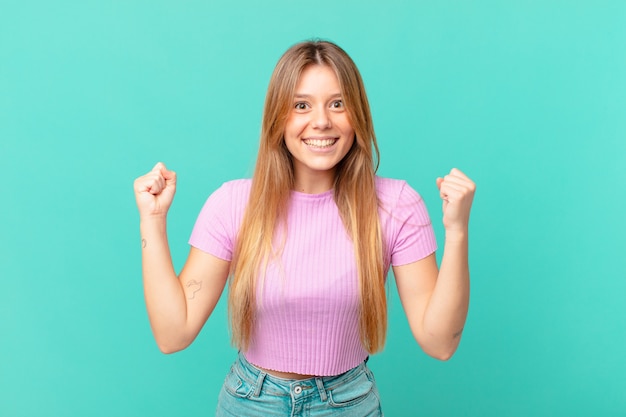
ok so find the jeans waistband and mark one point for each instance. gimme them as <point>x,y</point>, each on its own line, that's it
<point>281,386</point>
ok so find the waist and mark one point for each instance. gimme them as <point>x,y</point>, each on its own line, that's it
<point>284,375</point>
<point>254,374</point>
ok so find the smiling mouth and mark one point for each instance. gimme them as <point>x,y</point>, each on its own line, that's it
<point>321,143</point>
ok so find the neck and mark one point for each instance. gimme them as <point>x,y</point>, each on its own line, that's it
<point>314,183</point>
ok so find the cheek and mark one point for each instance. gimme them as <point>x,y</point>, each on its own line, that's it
<point>293,126</point>
<point>344,124</point>
<point>349,133</point>
<point>350,145</point>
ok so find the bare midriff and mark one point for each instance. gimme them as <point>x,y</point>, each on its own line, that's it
<point>285,375</point>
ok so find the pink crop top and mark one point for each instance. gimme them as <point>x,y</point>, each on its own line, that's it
<point>307,319</point>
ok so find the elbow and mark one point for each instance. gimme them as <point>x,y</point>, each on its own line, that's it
<point>443,356</point>
<point>167,349</point>
<point>441,353</point>
<point>172,340</point>
<point>168,346</point>
<point>438,346</point>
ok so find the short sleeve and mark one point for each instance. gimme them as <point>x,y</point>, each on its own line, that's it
<point>217,224</point>
<point>414,237</point>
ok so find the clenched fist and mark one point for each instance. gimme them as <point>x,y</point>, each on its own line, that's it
<point>155,191</point>
<point>457,192</point>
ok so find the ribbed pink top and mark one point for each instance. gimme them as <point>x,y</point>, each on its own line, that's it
<point>307,315</point>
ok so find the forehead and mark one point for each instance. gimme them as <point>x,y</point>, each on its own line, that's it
<point>318,78</point>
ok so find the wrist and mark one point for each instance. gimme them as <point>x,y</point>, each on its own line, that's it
<point>456,235</point>
<point>152,222</point>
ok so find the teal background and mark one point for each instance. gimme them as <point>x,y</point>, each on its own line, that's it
<point>527,97</point>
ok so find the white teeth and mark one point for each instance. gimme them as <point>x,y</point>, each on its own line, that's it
<point>320,143</point>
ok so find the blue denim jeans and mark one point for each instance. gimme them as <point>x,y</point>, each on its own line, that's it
<point>249,391</point>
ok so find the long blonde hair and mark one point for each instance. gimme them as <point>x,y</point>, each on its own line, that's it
<point>354,194</point>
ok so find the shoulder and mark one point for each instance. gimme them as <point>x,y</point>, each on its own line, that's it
<point>218,222</point>
<point>226,204</point>
<point>389,185</point>
<point>391,191</point>
<point>230,194</point>
<point>405,222</point>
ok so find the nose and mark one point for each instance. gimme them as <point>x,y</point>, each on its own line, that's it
<point>321,119</point>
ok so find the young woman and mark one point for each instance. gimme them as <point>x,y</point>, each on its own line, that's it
<point>307,244</point>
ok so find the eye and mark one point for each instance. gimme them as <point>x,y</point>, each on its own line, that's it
<point>300,106</point>
<point>337,104</point>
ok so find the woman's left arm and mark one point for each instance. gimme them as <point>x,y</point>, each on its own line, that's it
<point>436,300</point>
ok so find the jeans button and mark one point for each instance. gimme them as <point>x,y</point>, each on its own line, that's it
<point>297,389</point>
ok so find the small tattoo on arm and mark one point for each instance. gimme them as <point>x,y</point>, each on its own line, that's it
<point>143,243</point>
<point>457,334</point>
<point>193,286</point>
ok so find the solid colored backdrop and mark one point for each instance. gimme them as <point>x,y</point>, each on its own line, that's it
<point>528,98</point>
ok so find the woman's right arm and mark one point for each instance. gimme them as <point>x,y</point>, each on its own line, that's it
<point>177,307</point>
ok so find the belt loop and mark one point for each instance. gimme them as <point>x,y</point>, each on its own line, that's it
<point>259,384</point>
<point>321,389</point>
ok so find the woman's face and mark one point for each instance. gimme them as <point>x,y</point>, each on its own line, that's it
<point>318,133</point>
